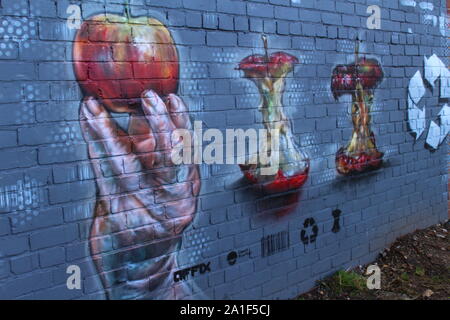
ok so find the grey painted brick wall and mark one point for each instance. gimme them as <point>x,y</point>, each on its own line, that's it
<point>47,187</point>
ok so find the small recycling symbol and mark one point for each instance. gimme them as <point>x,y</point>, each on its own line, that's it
<point>309,223</point>
<point>434,69</point>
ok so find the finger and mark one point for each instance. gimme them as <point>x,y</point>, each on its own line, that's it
<point>99,119</point>
<point>142,139</point>
<point>158,118</point>
<point>141,134</point>
<point>104,137</point>
<point>95,150</point>
<point>96,147</point>
<point>178,112</point>
<point>104,128</point>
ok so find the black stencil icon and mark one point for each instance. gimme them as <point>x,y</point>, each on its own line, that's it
<point>337,216</point>
<point>309,223</point>
<point>275,243</point>
<point>232,258</point>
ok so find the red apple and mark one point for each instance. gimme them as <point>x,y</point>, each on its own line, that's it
<point>116,58</point>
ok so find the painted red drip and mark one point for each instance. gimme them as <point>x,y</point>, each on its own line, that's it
<point>250,177</point>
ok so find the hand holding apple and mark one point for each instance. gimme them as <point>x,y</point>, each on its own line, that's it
<point>144,201</point>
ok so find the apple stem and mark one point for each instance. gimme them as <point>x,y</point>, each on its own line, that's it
<point>357,49</point>
<point>266,47</point>
<point>357,58</point>
<point>127,9</point>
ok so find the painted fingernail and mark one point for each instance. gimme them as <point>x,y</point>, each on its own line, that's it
<point>93,107</point>
<point>174,101</point>
<point>151,98</point>
<point>85,109</point>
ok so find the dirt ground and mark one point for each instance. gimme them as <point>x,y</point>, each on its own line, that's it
<point>416,266</point>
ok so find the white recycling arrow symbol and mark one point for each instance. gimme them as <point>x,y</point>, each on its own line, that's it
<point>438,130</point>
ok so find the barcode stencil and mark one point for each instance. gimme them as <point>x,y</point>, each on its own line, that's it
<point>275,243</point>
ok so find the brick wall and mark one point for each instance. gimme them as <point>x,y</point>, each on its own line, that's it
<point>48,188</point>
<point>448,12</point>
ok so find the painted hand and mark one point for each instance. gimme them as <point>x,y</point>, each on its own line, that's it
<point>144,202</point>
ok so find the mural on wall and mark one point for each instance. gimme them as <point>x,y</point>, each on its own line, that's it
<point>268,73</point>
<point>88,183</point>
<point>434,69</point>
<point>144,203</point>
<point>359,79</point>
